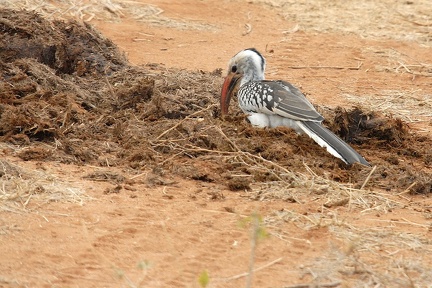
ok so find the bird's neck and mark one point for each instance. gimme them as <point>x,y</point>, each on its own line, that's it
<point>252,75</point>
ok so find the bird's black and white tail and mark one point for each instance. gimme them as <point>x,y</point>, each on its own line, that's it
<point>334,145</point>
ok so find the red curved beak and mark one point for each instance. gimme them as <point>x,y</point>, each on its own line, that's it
<point>229,88</point>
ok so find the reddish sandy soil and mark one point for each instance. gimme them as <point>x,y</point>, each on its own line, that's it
<point>165,230</point>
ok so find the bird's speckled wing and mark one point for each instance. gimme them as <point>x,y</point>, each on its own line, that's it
<point>277,97</point>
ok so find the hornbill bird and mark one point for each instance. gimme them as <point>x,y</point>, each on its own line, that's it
<point>278,103</point>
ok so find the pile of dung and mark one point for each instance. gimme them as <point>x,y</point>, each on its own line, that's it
<point>68,94</point>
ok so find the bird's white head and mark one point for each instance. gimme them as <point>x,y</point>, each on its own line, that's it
<point>247,65</point>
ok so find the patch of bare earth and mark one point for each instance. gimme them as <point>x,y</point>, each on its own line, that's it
<point>118,174</point>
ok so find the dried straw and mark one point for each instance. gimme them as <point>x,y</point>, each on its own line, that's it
<point>19,186</point>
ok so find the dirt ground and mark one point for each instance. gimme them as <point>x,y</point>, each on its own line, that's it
<point>117,171</point>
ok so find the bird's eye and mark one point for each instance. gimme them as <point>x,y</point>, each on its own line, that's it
<point>234,69</point>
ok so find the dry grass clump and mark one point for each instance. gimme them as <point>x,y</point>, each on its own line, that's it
<point>19,186</point>
<point>411,106</point>
<point>374,257</point>
<point>327,194</point>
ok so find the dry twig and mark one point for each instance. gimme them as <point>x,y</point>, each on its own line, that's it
<point>368,177</point>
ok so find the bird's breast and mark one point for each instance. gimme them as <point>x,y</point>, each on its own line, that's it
<point>265,120</point>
